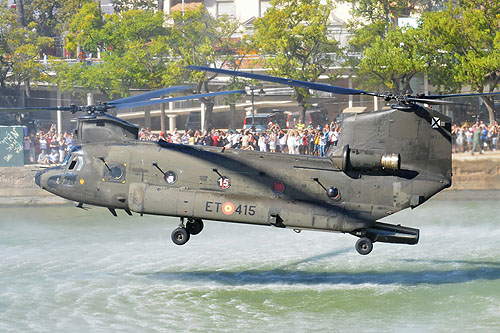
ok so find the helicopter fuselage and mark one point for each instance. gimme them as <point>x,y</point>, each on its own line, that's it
<point>347,192</point>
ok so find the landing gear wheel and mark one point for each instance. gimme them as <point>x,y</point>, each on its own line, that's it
<point>180,236</point>
<point>194,227</point>
<point>364,246</point>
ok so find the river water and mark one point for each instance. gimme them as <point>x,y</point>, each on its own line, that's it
<point>69,270</point>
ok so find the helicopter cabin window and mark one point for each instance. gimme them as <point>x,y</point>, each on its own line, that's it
<point>76,163</point>
<point>72,164</point>
<point>73,159</point>
<point>114,173</point>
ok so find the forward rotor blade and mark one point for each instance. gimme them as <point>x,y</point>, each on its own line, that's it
<point>288,82</point>
<point>173,99</point>
<point>148,95</point>
<point>36,108</point>
<point>463,95</point>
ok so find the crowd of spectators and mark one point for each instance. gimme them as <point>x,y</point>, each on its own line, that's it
<point>302,140</point>
<point>475,137</point>
<point>315,141</point>
<point>47,147</point>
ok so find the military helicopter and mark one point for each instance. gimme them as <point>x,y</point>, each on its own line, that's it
<point>384,162</point>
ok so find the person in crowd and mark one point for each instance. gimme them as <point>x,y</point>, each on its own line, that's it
<point>322,144</point>
<point>262,142</point>
<point>27,148</point>
<point>53,157</point>
<point>43,158</point>
<point>62,148</point>
<point>476,140</point>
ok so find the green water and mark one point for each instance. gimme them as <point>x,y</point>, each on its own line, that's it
<point>65,269</point>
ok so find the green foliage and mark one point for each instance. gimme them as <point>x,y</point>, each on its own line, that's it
<point>391,56</point>
<point>465,41</point>
<point>393,60</point>
<point>376,11</point>
<point>132,46</point>
<point>86,28</point>
<point>19,50</point>
<point>293,37</point>
<point>199,39</point>
<point>51,17</point>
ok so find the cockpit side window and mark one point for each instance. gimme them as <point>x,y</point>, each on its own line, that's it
<point>74,159</point>
<point>69,178</point>
<point>79,163</point>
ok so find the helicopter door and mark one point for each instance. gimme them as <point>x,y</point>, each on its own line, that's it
<point>136,197</point>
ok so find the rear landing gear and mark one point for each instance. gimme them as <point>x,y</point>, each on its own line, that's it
<point>364,245</point>
<point>181,235</point>
<point>194,227</point>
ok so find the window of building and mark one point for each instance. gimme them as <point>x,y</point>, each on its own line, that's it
<point>226,8</point>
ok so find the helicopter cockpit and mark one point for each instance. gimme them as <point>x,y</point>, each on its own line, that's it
<point>64,175</point>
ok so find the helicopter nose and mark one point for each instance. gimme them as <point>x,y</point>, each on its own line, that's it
<point>37,177</point>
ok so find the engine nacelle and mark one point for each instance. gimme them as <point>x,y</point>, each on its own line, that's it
<point>347,159</point>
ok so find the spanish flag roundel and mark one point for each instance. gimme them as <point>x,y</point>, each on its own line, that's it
<point>228,208</point>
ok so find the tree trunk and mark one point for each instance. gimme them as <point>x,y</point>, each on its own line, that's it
<point>406,85</point>
<point>20,13</point>
<point>163,124</point>
<point>490,105</point>
<point>232,111</point>
<point>302,103</point>
<point>27,88</point>
<point>209,108</point>
<point>160,5</point>
<point>302,114</point>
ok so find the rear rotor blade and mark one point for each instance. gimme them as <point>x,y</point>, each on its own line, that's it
<point>288,82</point>
<point>463,95</point>
<point>148,95</point>
<point>429,101</point>
<point>173,99</point>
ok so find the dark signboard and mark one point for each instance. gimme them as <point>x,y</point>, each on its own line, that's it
<point>11,146</point>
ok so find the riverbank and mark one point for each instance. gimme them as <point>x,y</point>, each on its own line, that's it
<point>479,174</point>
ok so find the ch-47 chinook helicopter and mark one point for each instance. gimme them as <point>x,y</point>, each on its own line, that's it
<point>384,162</point>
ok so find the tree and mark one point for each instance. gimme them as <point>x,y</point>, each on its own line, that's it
<point>125,5</point>
<point>391,55</point>
<point>86,28</point>
<point>393,60</point>
<point>465,41</point>
<point>196,38</point>
<point>51,17</point>
<point>133,51</point>
<point>293,37</point>
<point>20,48</point>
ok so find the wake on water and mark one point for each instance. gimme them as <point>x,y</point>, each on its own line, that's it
<point>62,269</point>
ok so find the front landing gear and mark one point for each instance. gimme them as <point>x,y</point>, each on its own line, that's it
<point>364,246</point>
<point>181,235</point>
